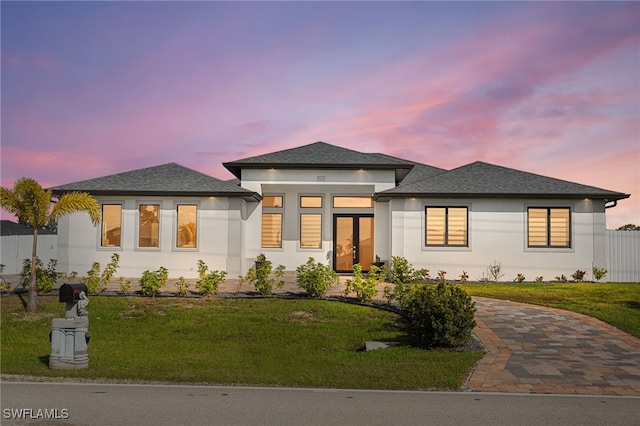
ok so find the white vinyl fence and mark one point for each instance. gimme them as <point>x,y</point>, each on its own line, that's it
<point>15,248</point>
<point>623,256</point>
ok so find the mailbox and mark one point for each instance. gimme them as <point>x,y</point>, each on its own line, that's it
<point>70,293</point>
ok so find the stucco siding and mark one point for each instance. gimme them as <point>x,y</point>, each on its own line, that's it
<point>217,220</point>
<point>497,232</point>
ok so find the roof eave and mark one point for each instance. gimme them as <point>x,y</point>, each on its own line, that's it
<point>246,195</point>
<point>383,196</point>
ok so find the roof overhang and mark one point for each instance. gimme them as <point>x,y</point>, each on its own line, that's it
<point>387,196</point>
<point>245,195</point>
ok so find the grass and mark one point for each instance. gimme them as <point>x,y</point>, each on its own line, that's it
<point>263,342</point>
<point>617,304</point>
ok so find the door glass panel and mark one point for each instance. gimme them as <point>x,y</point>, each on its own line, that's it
<point>344,244</point>
<point>365,255</point>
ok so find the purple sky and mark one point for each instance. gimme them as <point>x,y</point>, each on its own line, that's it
<point>95,88</point>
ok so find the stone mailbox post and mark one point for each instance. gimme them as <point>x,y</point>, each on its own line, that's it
<point>70,335</point>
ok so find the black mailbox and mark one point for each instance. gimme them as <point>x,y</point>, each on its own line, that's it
<point>71,292</point>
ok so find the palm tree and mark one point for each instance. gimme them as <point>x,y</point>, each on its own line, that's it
<point>31,204</point>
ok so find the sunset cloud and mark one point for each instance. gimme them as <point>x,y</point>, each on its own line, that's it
<point>90,89</point>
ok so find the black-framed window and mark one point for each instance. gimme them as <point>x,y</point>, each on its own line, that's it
<point>446,226</point>
<point>549,227</point>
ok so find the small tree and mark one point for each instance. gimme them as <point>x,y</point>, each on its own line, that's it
<point>31,204</point>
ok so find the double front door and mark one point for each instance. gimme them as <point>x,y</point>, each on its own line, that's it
<point>352,241</point>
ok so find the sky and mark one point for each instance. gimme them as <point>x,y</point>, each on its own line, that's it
<point>90,89</point>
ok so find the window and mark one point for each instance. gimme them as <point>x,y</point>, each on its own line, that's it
<point>149,225</point>
<point>311,230</point>
<point>272,221</point>
<point>310,201</point>
<point>272,230</point>
<point>187,229</point>
<point>549,227</point>
<point>353,202</point>
<point>111,225</point>
<point>272,201</point>
<point>446,226</point>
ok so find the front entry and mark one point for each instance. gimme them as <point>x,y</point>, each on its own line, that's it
<point>352,241</point>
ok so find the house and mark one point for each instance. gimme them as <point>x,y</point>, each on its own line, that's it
<point>340,207</point>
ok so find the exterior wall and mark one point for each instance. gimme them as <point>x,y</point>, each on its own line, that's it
<point>291,184</point>
<point>497,232</point>
<point>219,236</point>
<point>15,248</point>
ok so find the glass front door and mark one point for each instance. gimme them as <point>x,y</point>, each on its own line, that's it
<point>352,242</point>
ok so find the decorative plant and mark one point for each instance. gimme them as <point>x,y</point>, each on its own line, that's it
<point>442,316</point>
<point>209,280</point>
<point>495,271</point>
<point>95,281</point>
<point>4,286</point>
<point>365,288</point>
<point>151,282</point>
<point>441,276</point>
<point>578,275</point>
<point>403,272</point>
<point>45,277</point>
<point>599,273</point>
<point>519,278</point>
<point>539,279</point>
<point>316,278</point>
<point>264,277</point>
<point>561,278</point>
<point>464,277</point>
<point>183,286</point>
<point>125,285</point>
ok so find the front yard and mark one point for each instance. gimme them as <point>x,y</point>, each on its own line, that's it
<point>263,342</point>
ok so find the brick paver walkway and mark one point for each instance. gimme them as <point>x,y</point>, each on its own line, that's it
<point>535,349</point>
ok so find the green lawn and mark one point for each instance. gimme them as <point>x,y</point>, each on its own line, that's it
<point>264,342</point>
<point>615,303</point>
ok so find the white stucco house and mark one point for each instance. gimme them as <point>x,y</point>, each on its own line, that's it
<point>341,207</point>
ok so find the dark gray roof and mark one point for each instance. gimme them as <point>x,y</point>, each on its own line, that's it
<point>168,179</point>
<point>8,227</point>
<point>321,155</point>
<point>481,179</point>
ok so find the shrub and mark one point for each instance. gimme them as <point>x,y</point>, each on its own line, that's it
<point>95,281</point>
<point>365,288</point>
<point>183,286</point>
<point>441,276</point>
<point>316,278</point>
<point>519,278</point>
<point>403,272</point>
<point>45,277</point>
<point>125,285</point>
<point>442,315</point>
<point>495,271</point>
<point>539,279</point>
<point>92,279</point>
<point>209,280</point>
<point>464,277</point>
<point>578,275</point>
<point>561,279</point>
<point>599,273</point>
<point>151,282</point>
<point>264,277</point>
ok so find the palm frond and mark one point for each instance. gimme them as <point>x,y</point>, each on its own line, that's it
<point>73,202</point>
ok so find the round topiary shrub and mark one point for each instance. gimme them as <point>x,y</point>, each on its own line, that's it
<point>442,315</point>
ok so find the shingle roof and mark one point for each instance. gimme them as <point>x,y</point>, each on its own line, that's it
<point>8,227</point>
<point>321,155</point>
<point>481,179</point>
<point>166,179</point>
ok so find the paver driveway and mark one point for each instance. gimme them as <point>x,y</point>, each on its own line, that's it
<point>537,349</point>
